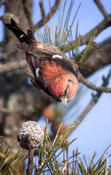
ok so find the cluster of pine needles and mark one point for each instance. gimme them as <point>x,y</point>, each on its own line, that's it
<point>53,158</point>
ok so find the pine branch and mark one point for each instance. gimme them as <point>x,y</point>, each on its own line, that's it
<point>92,33</point>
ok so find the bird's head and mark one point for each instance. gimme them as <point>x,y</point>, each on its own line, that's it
<point>64,86</point>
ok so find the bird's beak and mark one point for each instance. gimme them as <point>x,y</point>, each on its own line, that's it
<point>64,100</point>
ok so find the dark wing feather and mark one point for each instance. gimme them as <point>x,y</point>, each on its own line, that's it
<point>40,55</point>
<point>35,63</point>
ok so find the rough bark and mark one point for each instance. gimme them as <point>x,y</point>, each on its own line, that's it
<point>15,92</point>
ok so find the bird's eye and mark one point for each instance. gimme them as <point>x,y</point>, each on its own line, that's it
<point>70,81</point>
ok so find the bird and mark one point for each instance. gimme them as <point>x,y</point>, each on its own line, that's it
<point>52,70</point>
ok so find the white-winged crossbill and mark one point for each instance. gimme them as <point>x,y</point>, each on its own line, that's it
<point>53,72</point>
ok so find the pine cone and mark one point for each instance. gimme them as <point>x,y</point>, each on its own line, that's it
<point>30,135</point>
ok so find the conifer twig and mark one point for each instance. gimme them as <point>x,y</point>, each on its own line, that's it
<point>101,7</point>
<point>30,162</point>
<point>93,86</point>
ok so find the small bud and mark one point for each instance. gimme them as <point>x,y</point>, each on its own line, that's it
<point>30,135</point>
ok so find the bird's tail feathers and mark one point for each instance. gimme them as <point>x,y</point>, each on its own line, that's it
<point>23,37</point>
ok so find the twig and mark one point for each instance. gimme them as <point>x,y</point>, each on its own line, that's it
<point>91,103</point>
<point>30,162</point>
<point>12,66</point>
<point>101,8</point>
<point>85,112</point>
<point>26,5</point>
<point>47,18</point>
<point>93,86</point>
<point>42,9</point>
<point>92,33</point>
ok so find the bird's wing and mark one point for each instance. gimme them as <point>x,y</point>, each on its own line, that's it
<point>38,55</point>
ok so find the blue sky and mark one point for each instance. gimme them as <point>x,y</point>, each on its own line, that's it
<point>94,132</point>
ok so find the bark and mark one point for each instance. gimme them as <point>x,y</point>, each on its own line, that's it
<point>15,92</point>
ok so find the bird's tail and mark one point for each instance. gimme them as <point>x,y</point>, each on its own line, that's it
<point>23,37</point>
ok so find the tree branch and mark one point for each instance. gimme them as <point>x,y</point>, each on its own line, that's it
<point>47,18</point>
<point>98,59</point>
<point>101,8</point>
<point>92,33</point>
<point>26,5</point>
<point>93,86</point>
<point>42,9</point>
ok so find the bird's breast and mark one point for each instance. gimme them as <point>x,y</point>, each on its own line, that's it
<point>59,79</point>
<point>50,70</point>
